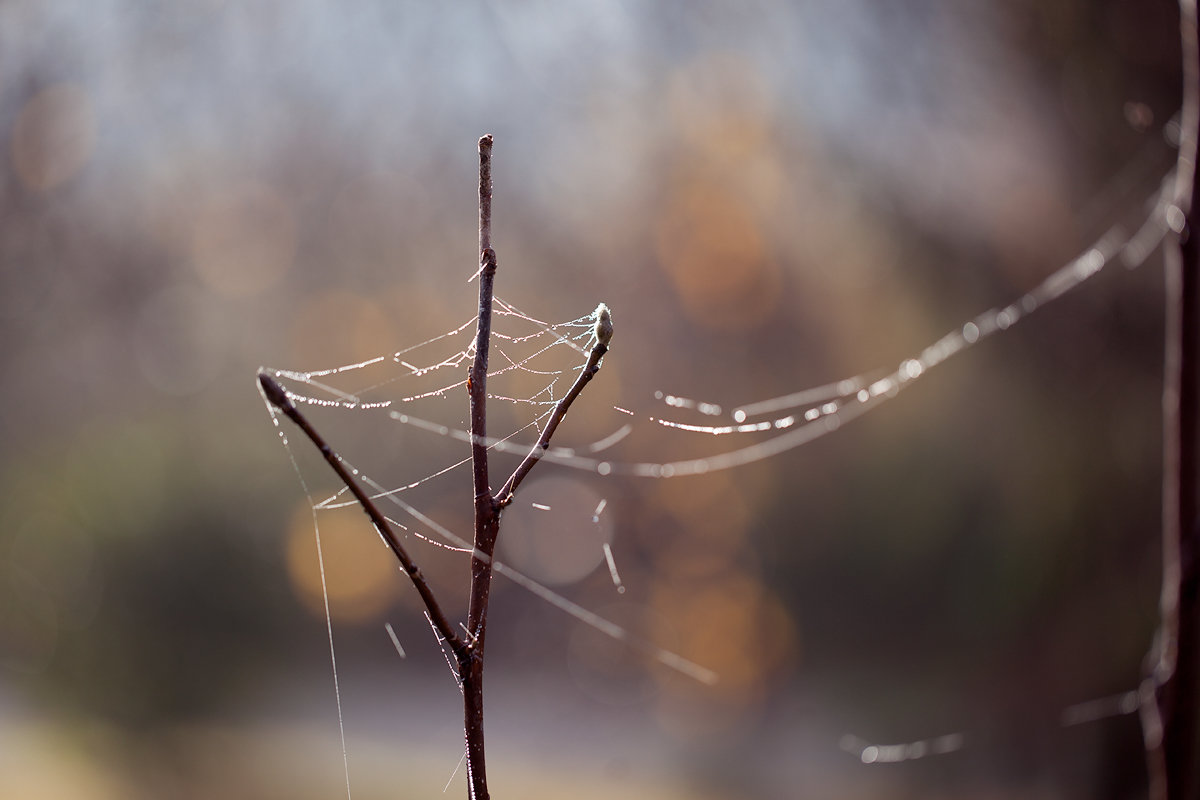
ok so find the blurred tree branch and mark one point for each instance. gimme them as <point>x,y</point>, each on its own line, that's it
<point>1171,691</point>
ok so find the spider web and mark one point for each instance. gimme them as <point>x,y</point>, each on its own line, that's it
<point>538,361</point>
<point>772,425</point>
<point>535,361</point>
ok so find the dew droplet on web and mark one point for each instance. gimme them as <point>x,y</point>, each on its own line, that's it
<point>612,568</point>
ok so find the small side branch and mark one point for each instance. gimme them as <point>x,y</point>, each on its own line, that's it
<point>280,399</point>
<point>603,333</point>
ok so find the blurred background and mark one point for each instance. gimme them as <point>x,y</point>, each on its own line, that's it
<point>770,197</point>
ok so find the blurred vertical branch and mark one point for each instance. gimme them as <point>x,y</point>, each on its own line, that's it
<point>1171,694</point>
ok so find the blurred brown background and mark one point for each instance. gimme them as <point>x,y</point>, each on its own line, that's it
<point>770,197</point>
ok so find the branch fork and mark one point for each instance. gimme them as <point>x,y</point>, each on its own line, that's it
<point>467,649</point>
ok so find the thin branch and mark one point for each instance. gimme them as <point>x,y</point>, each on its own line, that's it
<point>477,379</point>
<point>477,392</point>
<point>485,193</point>
<point>603,335</point>
<point>281,400</point>
<point>487,512</point>
<point>505,496</point>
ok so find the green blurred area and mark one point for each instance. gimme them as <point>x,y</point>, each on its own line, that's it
<point>769,197</point>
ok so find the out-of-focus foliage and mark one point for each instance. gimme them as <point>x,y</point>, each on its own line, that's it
<point>769,196</point>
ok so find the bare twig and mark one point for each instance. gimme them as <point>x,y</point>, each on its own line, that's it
<point>488,505</point>
<point>280,399</point>
<point>467,651</point>
<point>485,193</point>
<point>603,335</point>
<point>487,512</point>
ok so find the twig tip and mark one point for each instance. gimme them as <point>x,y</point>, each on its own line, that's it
<point>604,324</point>
<point>274,391</point>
